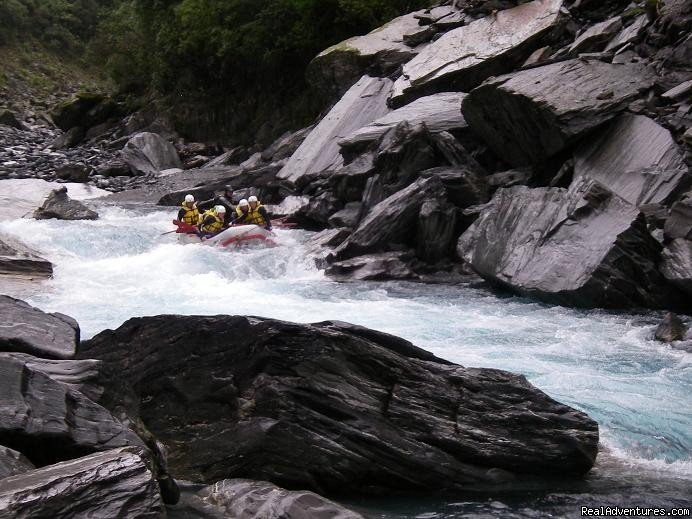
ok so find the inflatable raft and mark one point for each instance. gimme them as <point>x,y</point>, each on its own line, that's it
<point>231,237</point>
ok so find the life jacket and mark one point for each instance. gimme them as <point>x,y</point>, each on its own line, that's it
<point>215,226</point>
<point>253,216</point>
<point>191,216</point>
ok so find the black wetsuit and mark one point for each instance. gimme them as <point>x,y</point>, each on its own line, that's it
<point>219,200</point>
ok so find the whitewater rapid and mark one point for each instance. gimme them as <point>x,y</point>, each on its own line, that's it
<point>606,364</point>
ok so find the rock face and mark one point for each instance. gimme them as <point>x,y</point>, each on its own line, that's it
<point>24,328</point>
<point>362,104</point>
<point>439,112</point>
<point>59,205</point>
<point>334,408</point>
<point>671,329</point>
<point>464,57</point>
<point>18,259</point>
<point>109,484</point>
<point>679,223</point>
<point>50,421</point>
<point>533,114</point>
<point>246,499</point>
<point>636,159</point>
<point>596,37</point>
<point>379,52</point>
<point>392,221</point>
<point>13,462</point>
<point>676,264</point>
<point>148,153</point>
<point>583,247</point>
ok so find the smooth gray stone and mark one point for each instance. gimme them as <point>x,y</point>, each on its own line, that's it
<point>462,58</point>
<point>679,223</point>
<point>531,115</point>
<point>26,329</point>
<point>584,247</point>
<point>439,112</point>
<point>148,153</point>
<point>335,409</point>
<point>60,206</point>
<point>109,484</point>
<point>373,267</point>
<point>635,158</point>
<point>13,463</point>
<point>362,104</point>
<point>676,264</point>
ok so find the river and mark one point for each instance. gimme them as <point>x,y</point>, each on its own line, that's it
<point>604,363</point>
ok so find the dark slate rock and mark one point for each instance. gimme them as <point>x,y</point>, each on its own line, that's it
<point>461,59</point>
<point>679,223</point>
<point>18,259</point>
<point>317,213</point>
<point>349,216</point>
<point>13,463</point>
<point>584,247</point>
<point>437,231</point>
<point>116,483</point>
<point>286,145</point>
<point>8,118</point>
<point>391,221</point>
<point>24,328</point>
<point>465,186</point>
<point>636,159</point>
<point>148,154</point>
<point>373,267</point>
<point>73,172</point>
<point>328,409</point>
<point>59,205</point>
<point>509,178</point>
<point>234,156</point>
<point>49,421</point>
<point>595,37</point>
<point>676,264</point>
<point>69,139</point>
<point>114,168</point>
<point>534,114</point>
<point>82,110</point>
<point>629,34</point>
<point>247,499</point>
<point>670,329</point>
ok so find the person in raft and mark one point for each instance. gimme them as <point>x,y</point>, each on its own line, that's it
<point>225,199</point>
<point>189,213</point>
<point>250,211</point>
<point>212,221</point>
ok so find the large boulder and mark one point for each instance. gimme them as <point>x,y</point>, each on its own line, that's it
<point>13,462</point>
<point>116,483</point>
<point>534,114</point>
<point>439,112</point>
<point>670,329</point>
<point>148,154</point>
<point>436,232</point>
<point>679,223</point>
<point>676,264</point>
<point>247,499</point>
<point>584,247</point>
<point>391,221</point>
<point>335,408</point>
<point>379,53</point>
<point>85,110</point>
<point>635,158</point>
<point>363,103</point>
<point>463,58</point>
<point>24,328</point>
<point>59,205</point>
<point>373,267</point>
<point>18,259</point>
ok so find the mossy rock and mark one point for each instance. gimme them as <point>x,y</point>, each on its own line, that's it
<point>85,110</point>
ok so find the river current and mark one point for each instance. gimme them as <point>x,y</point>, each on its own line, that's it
<point>604,363</point>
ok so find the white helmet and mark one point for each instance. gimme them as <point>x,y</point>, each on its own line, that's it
<point>189,199</point>
<point>252,199</point>
<point>243,203</point>
<point>220,209</point>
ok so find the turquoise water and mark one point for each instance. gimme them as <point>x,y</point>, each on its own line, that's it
<point>603,363</point>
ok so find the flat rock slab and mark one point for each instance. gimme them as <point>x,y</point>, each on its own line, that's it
<point>13,463</point>
<point>362,104</point>
<point>335,408</point>
<point>585,247</point>
<point>636,158</point>
<point>24,328</point>
<point>18,259</point>
<point>534,114</point>
<point>464,57</point>
<point>439,112</point>
<point>116,483</point>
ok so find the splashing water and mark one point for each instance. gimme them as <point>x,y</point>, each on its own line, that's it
<point>604,363</point>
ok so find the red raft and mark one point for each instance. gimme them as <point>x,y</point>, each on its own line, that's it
<point>233,236</point>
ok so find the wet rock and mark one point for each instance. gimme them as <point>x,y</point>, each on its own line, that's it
<point>437,231</point>
<point>116,483</point>
<point>584,247</point>
<point>13,462</point>
<point>380,52</point>
<point>463,58</point>
<point>8,118</point>
<point>18,259</point>
<point>534,114</point>
<point>349,216</point>
<point>670,329</point>
<point>373,267</point>
<point>335,408</point>
<point>24,328</point>
<point>319,210</point>
<point>439,112</point>
<point>246,499</point>
<point>635,158</point>
<point>362,104</point>
<point>596,36</point>
<point>50,421</point>
<point>676,264</point>
<point>679,223</point>
<point>148,153</point>
<point>59,205</point>
<point>392,220</point>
